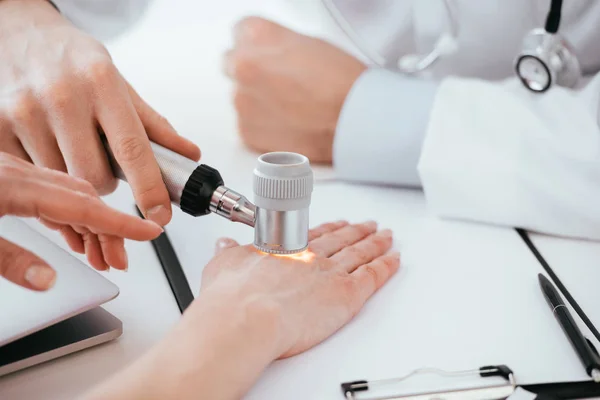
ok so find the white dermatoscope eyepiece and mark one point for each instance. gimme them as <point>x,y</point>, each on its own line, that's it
<point>283,184</point>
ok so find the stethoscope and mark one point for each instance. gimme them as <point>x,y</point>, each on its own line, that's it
<point>546,58</point>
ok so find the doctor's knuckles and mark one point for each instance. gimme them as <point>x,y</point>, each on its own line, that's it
<point>58,93</point>
<point>289,88</point>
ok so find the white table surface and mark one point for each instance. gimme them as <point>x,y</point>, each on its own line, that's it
<point>173,59</point>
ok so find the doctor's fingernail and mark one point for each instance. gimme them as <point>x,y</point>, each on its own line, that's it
<point>159,214</point>
<point>153,225</point>
<point>40,277</point>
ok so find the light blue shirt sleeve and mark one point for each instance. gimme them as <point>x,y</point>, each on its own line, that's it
<point>104,19</point>
<point>381,128</point>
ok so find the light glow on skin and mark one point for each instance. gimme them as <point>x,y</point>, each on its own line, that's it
<point>304,256</point>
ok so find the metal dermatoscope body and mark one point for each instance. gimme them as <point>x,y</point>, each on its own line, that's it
<point>283,185</point>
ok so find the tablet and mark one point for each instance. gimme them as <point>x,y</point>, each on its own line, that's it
<point>38,326</point>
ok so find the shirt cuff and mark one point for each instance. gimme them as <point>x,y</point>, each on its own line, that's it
<point>381,128</point>
<point>106,19</point>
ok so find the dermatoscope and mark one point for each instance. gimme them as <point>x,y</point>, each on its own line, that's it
<point>282,186</point>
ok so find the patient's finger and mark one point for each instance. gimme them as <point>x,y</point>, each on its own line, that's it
<point>372,276</point>
<point>363,252</point>
<point>332,242</point>
<point>325,228</point>
<point>224,244</point>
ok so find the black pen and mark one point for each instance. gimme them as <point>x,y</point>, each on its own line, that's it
<point>587,355</point>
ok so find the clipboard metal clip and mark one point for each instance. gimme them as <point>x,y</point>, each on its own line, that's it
<point>491,392</point>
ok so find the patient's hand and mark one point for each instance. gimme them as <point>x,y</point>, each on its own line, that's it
<point>290,88</point>
<point>254,308</point>
<point>310,295</point>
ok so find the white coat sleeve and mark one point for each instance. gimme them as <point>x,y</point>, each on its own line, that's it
<point>381,128</point>
<point>103,19</point>
<point>499,154</point>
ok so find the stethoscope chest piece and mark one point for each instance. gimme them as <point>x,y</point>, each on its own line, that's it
<point>547,59</point>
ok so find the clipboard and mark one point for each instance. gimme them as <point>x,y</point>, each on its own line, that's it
<point>494,390</point>
<point>491,391</point>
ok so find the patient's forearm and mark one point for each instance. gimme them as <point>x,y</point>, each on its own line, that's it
<point>216,352</point>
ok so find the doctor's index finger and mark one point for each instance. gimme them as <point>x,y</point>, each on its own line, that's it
<point>42,199</point>
<point>130,145</point>
<point>160,131</point>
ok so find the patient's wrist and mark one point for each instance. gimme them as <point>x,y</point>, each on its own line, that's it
<point>243,316</point>
<point>217,351</point>
<point>222,345</point>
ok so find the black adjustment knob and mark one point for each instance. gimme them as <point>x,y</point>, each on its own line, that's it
<point>198,190</point>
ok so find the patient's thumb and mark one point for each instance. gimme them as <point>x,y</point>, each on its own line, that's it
<point>24,268</point>
<point>224,244</point>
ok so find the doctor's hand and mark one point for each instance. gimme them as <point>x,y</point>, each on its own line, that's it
<point>254,308</point>
<point>290,88</point>
<point>69,205</point>
<point>58,85</point>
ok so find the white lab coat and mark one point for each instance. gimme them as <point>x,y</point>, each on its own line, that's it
<point>481,146</point>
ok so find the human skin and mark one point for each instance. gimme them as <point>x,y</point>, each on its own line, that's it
<point>289,88</point>
<point>59,88</point>
<point>66,204</point>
